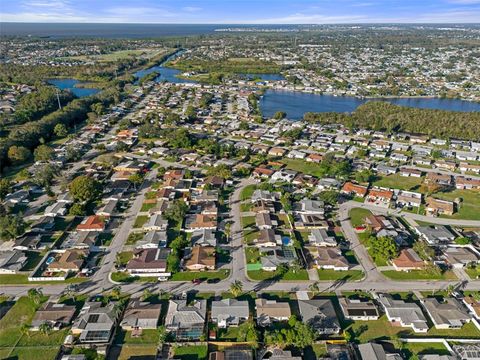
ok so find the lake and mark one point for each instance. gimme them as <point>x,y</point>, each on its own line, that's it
<point>296,103</point>
<point>71,84</point>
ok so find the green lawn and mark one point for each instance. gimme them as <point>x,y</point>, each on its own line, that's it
<point>140,221</point>
<point>135,351</point>
<point>33,258</point>
<point>397,181</point>
<point>229,334</point>
<point>350,275</point>
<point>260,275</point>
<point>250,235</point>
<point>10,325</point>
<point>252,255</point>
<point>411,349</point>
<point>37,338</point>
<point>469,208</point>
<point>149,336</point>
<point>124,257</point>
<point>473,273</point>
<point>22,279</point>
<point>147,206</point>
<point>418,275</point>
<point>358,215</point>
<point>191,352</point>
<point>303,167</point>
<point>133,238</point>
<point>37,353</point>
<point>202,275</point>
<point>245,207</point>
<point>247,192</point>
<point>248,221</point>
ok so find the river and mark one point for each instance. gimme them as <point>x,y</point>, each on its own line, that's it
<point>71,84</point>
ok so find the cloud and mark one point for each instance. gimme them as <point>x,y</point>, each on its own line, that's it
<point>464,2</point>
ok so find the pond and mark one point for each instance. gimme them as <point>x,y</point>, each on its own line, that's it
<point>296,103</point>
<point>71,84</point>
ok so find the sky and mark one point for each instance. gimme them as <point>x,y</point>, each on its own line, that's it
<point>241,11</point>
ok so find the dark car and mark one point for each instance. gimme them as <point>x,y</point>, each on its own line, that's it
<point>213,281</point>
<point>196,281</point>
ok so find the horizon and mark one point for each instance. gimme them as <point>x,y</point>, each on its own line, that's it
<point>246,12</point>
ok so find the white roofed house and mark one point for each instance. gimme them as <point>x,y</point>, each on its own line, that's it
<point>320,237</point>
<point>152,240</point>
<point>156,223</point>
<point>229,312</point>
<point>406,314</point>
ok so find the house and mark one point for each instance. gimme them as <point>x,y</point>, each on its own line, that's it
<point>55,315</point>
<point>464,183</point>
<point>29,241</point>
<point>435,207</point>
<point>263,207</point>
<point>330,258</point>
<point>276,151</point>
<point>264,221</point>
<point>408,199</point>
<point>354,189</point>
<point>149,262</point>
<point>320,315</point>
<point>229,312</point>
<point>438,179</point>
<point>358,310</point>
<point>273,257</point>
<point>269,311</point>
<point>405,314</point>
<point>56,209</point>
<point>200,222</point>
<point>448,314</point>
<point>201,258</point>
<point>96,322</point>
<point>108,209</point>
<point>11,261</point>
<point>283,176</point>
<point>92,223</point>
<point>141,315</point>
<point>81,240</point>
<point>435,234</point>
<point>459,257</point>
<point>408,260</point>
<point>320,237</point>
<point>467,351</point>
<point>152,240</point>
<point>186,322</point>
<point>279,354</point>
<point>315,158</point>
<point>263,195</point>
<point>374,351</point>
<point>472,304</point>
<point>267,238</point>
<point>232,353</point>
<point>380,197</point>
<point>263,172</point>
<point>204,237</point>
<point>156,223</point>
<point>44,224</point>
<point>69,261</point>
<point>407,172</point>
<point>310,207</point>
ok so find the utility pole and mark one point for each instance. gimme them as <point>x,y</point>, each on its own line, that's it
<point>58,99</point>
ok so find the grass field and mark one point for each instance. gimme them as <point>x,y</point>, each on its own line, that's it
<point>247,192</point>
<point>140,221</point>
<point>473,273</point>
<point>350,275</point>
<point>147,206</point>
<point>261,275</point>
<point>358,215</point>
<point>418,275</point>
<point>412,349</point>
<point>202,275</point>
<point>303,166</point>
<point>191,352</point>
<point>397,181</point>
<point>14,279</point>
<point>469,208</point>
<point>149,336</point>
<point>248,221</point>
<point>136,351</point>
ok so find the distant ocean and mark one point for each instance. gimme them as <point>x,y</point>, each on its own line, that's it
<point>69,30</point>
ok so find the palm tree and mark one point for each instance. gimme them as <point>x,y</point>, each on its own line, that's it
<point>314,288</point>
<point>295,266</point>
<point>116,292</point>
<point>147,294</point>
<point>25,329</point>
<point>236,288</point>
<point>45,328</point>
<point>35,295</point>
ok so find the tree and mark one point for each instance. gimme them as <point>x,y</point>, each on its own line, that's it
<point>18,154</point>
<point>5,187</point>
<point>314,288</point>
<point>177,211</point>
<point>45,328</point>
<point>116,292</point>
<point>84,189</point>
<point>221,170</point>
<point>136,179</point>
<point>60,130</point>
<point>11,226</point>
<point>330,197</point>
<point>44,175</point>
<point>279,115</point>
<point>383,247</point>
<point>247,332</point>
<point>77,209</point>
<point>463,241</point>
<point>364,176</point>
<point>147,294</point>
<point>43,153</point>
<point>423,250</point>
<point>236,288</point>
<point>35,295</point>
<point>244,125</point>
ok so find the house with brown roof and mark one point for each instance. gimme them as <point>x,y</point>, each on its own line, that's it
<point>92,223</point>
<point>315,158</point>
<point>201,258</point>
<point>269,311</point>
<point>464,183</point>
<point>461,256</point>
<point>55,315</point>
<point>267,238</point>
<point>263,172</point>
<point>264,221</point>
<point>329,258</point>
<point>276,151</point>
<point>435,207</point>
<point>69,261</point>
<point>354,189</point>
<point>141,315</point>
<point>149,262</point>
<point>379,196</point>
<point>408,260</point>
<point>199,222</point>
<point>174,174</point>
<point>438,179</point>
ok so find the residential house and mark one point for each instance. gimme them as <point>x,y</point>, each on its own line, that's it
<point>329,258</point>
<point>320,237</point>
<point>186,322</point>
<point>320,315</point>
<point>92,223</point>
<point>152,240</point>
<point>374,351</point>
<point>264,221</point>
<point>267,238</point>
<point>200,258</point>
<point>96,322</point>
<point>156,223</point>
<point>435,234</point>
<point>461,256</point>
<point>269,311</point>
<point>354,189</point>
<point>12,261</point>
<point>408,260</point>
<point>229,312</point>
<point>149,262</point>
<point>405,314</point>
<point>55,315</point>
<point>358,310</point>
<point>70,261</point>
<point>448,314</point>
<point>204,237</point>
<point>141,315</point>
<point>435,207</point>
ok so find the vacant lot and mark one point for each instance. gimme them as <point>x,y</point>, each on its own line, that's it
<point>469,208</point>
<point>397,181</point>
<point>358,215</point>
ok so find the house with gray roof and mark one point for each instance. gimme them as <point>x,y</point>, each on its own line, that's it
<point>186,321</point>
<point>374,351</point>
<point>320,237</point>
<point>320,315</point>
<point>153,240</point>
<point>204,237</point>
<point>229,312</point>
<point>141,315</point>
<point>95,323</point>
<point>435,234</point>
<point>11,261</point>
<point>448,314</point>
<point>406,314</point>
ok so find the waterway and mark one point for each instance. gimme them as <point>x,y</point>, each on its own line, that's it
<point>71,84</point>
